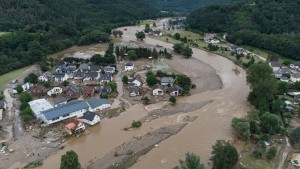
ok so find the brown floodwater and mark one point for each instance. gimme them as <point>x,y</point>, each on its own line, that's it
<point>213,122</point>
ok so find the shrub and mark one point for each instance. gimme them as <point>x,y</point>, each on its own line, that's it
<point>136,124</point>
<point>271,153</point>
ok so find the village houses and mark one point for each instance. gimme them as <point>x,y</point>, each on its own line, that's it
<point>158,90</point>
<point>55,91</point>
<point>129,66</point>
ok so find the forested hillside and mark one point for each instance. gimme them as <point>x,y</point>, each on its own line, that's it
<point>184,5</point>
<point>270,25</point>
<point>40,27</point>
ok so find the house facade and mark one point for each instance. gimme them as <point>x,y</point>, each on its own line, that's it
<point>107,77</point>
<point>275,65</point>
<point>98,104</point>
<point>61,77</point>
<point>174,90</point>
<point>74,126</point>
<point>55,91</point>
<point>295,77</point>
<point>109,69</point>
<point>3,105</point>
<point>90,118</point>
<point>167,81</point>
<point>129,66</point>
<point>157,90</point>
<point>72,109</point>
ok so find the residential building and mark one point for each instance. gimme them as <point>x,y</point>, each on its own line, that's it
<point>62,68</point>
<point>88,91</point>
<point>38,106</point>
<point>295,65</point>
<point>135,82</point>
<point>98,104</point>
<point>109,69</point>
<point>45,77</point>
<point>174,90</point>
<point>135,91</point>
<point>59,101</point>
<point>167,81</point>
<point>37,90</point>
<point>158,90</point>
<point>92,76</point>
<point>72,91</point>
<point>73,126</point>
<point>275,65</point>
<point>284,79</point>
<point>75,108</point>
<point>90,118</point>
<point>103,89</point>
<point>84,67</point>
<point>61,77</point>
<point>27,86</point>
<point>95,68</point>
<point>78,75</point>
<point>129,66</point>
<point>233,48</point>
<point>3,105</point>
<point>55,91</point>
<point>295,77</point>
<point>107,77</point>
<point>71,70</point>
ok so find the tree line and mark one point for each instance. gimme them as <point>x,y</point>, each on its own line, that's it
<point>268,25</point>
<point>38,28</point>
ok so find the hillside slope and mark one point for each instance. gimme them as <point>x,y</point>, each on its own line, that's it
<point>184,5</point>
<point>270,25</point>
<point>41,27</point>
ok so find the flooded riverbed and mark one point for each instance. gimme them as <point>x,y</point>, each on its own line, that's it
<point>213,120</point>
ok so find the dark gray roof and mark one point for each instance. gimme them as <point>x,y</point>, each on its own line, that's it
<point>95,68</point>
<point>129,64</point>
<point>275,64</point>
<point>284,78</point>
<point>66,109</point>
<point>89,116</point>
<point>296,75</point>
<point>61,67</point>
<point>167,80</point>
<point>1,104</point>
<point>285,70</point>
<point>174,88</point>
<point>71,68</point>
<point>59,100</point>
<point>297,63</point>
<point>73,88</point>
<point>84,66</point>
<point>105,89</point>
<point>93,74</point>
<point>95,102</point>
<point>59,75</point>
<point>106,76</point>
<point>158,86</point>
<point>108,68</point>
<point>135,89</point>
<point>78,74</point>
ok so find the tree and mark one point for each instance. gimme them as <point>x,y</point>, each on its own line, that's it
<point>176,36</point>
<point>192,161</point>
<point>295,137</point>
<point>147,28</point>
<point>25,97</point>
<point>69,161</point>
<point>151,80</point>
<point>140,35</point>
<point>282,87</point>
<point>31,78</point>
<point>113,86</point>
<point>241,127</point>
<point>117,51</point>
<point>132,55</point>
<point>271,153</point>
<point>136,124</point>
<point>172,99</point>
<point>269,123</point>
<point>115,33</point>
<point>125,79</point>
<point>155,53</point>
<point>65,83</point>
<point>19,89</point>
<point>224,155</point>
<point>154,24</point>
<point>120,33</point>
<point>184,40</point>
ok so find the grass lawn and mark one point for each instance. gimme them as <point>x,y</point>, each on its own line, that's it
<point>164,38</point>
<point>257,51</point>
<point>148,21</point>
<point>8,77</point>
<point>251,162</point>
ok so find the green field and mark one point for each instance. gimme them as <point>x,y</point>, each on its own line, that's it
<point>251,162</point>
<point>149,21</point>
<point>8,77</point>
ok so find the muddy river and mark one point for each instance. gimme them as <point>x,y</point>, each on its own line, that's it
<point>213,120</point>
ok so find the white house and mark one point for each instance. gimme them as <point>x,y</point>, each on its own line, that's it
<point>27,86</point>
<point>135,91</point>
<point>39,105</point>
<point>98,104</point>
<point>129,66</point>
<point>61,77</point>
<point>74,126</point>
<point>158,90</point>
<point>108,69</point>
<point>43,78</point>
<point>174,90</point>
<point>284,79</point>
<point>275,65</point>
<point>295,77</point>
<point>55,90</point>
<point>107,77</point>
<point>75,108</point>
<point>90,118</point>
<point>135,82</point>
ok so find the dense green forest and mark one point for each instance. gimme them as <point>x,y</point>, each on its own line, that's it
<point>37,28</point>
<point>184,5</point>
<point>270,25</point>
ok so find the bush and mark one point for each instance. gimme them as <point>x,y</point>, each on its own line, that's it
<point>258,152</point>
<point>136,124</point>
<point>242,128</point>
<point>271,153</point>
<point>172,99</point>
<point>295,136</point>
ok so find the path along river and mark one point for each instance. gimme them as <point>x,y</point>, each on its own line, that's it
<point>213,120</point>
